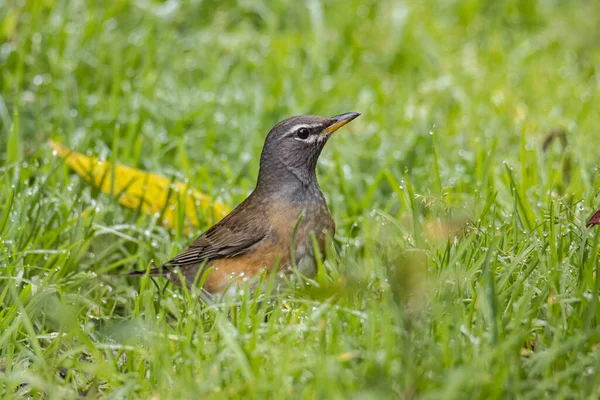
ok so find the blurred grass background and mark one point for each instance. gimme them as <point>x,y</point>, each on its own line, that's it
<point>463,266</point>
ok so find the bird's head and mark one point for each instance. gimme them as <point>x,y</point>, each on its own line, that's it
<point>293,146</point>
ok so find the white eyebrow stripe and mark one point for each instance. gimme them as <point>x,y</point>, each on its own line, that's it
<point>296,127</point>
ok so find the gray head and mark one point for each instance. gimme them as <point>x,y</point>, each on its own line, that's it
<point>292,148</point>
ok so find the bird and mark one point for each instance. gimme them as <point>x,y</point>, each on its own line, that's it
<point>274,226</point>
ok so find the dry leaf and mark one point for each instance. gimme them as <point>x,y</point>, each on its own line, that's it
<point>142,190</point>
<point>595,220</point>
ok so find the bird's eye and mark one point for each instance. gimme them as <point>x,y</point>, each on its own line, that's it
<point>303,133</point>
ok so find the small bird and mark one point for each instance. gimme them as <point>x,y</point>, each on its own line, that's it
<point>275,224</point>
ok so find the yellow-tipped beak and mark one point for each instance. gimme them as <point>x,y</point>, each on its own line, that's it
<point>338,122</point>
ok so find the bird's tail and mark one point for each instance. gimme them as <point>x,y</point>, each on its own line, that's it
<point>152,272</point>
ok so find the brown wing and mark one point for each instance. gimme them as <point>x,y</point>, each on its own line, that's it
<point>232,236</point>
<point>203,249</point>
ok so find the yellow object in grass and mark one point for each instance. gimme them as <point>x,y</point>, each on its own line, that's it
<point>144,191</point>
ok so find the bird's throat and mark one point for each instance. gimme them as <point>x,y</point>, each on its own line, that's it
<point>280,182</point>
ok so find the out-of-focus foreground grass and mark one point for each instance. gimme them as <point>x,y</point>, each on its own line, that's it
<point>462,266</point>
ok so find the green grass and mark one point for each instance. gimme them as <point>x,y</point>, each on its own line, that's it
<point>462,266</point>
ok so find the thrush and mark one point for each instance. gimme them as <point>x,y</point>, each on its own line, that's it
<point>274,226</point>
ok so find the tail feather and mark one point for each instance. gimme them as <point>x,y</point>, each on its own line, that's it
<point>152,272</point>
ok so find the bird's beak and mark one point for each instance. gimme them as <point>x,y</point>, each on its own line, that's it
<point>337,122</point>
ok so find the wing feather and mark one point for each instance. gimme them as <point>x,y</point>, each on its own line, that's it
<point>236,234</point>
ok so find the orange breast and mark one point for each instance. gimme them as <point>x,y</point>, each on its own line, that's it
<point>274,249</point>
<point>246,266</point>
